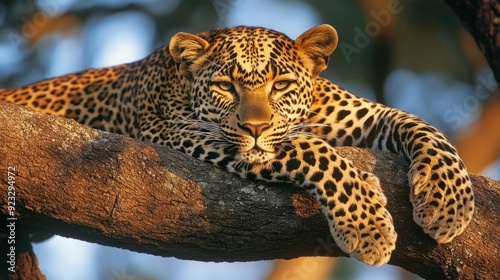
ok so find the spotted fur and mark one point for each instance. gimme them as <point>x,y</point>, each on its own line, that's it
<point>250,100</point>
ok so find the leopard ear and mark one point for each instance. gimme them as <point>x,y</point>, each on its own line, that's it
<point>318,43</point>
<point>185,49</point>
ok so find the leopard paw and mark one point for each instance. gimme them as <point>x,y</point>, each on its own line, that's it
<point>359,223</point>
<point>442,197</point>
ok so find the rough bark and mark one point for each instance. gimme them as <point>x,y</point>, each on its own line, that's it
<point>105,188</point>
<point>482,19</point>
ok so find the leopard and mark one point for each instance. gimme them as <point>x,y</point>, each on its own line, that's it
<point>250,100</point>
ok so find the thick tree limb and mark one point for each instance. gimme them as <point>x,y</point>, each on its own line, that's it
<point>482,19</point>
<point>109,189</point>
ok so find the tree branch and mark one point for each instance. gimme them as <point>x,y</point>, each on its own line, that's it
<point>109,189</point>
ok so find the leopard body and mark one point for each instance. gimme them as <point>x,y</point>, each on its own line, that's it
<point>250,100</point>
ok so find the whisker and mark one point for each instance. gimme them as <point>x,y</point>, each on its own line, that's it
<point>305,126</point>
<point>213,63</point>
<point>297,134</point>
<point>321,115</point>
<point>240,165</point>
<point>233,148</point>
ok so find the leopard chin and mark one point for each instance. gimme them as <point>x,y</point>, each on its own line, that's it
<point>256,156</point>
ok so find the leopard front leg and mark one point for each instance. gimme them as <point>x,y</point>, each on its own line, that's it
<point>351,199</point>
<point>441,190</point>
<point>442,196</point>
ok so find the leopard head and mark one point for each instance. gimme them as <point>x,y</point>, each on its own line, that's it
<point>256,84</point>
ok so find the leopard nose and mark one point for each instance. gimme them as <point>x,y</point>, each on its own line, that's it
<point>255,129</point>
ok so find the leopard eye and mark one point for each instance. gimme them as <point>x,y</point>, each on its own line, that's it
<point>282,85</point>
<point>225,86</point>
